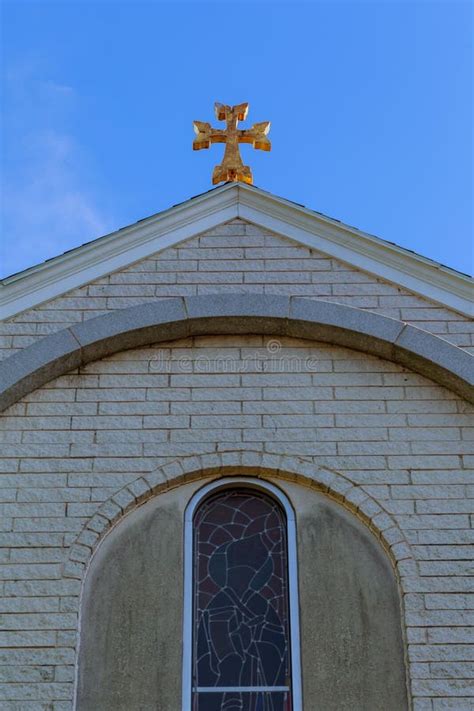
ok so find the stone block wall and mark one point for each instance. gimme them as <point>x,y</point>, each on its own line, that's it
<point>399,443</point>
<point>390,444</point>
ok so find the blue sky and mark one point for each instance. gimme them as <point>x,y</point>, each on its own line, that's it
<point>370,104</point>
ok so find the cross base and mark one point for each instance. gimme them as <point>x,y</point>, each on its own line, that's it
<point>222,174</point>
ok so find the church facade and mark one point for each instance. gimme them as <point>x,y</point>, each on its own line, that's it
<point>237,469</point>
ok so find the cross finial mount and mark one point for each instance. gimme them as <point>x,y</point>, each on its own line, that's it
<point>232,167</point>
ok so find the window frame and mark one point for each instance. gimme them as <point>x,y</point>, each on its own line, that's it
<point>236,482</point>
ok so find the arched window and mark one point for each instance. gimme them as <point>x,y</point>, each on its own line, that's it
<point>241,649</point>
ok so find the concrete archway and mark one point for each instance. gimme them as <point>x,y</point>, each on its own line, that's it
<point>251,463</point>
<point>332,539</point>
<point>175,318</point>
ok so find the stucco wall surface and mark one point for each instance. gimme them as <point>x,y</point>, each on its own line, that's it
<point>401,445</point>
<point>236,257</point>
<point>352,655</point>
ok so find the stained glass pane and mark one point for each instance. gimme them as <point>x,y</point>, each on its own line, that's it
<point>241,654</point>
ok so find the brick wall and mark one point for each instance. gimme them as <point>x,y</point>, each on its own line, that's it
<point>394,435</point>
<point>235,258</point>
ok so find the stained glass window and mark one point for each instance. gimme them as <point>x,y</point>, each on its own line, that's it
<point>241,647</point>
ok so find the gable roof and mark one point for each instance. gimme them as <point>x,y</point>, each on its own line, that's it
<point>128,245</point>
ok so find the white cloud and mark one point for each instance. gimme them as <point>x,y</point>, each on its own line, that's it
<point>48,204</point>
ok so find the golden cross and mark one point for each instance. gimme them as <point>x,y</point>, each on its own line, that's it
<point>231,168</point>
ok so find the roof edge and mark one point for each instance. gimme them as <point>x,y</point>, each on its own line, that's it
<point>119,249</point>
<point>370,253</point>
<point>116,250</point>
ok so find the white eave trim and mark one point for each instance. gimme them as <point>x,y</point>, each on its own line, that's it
<point>359,249</point>
<point>120,249</point>
<point>117,250</point>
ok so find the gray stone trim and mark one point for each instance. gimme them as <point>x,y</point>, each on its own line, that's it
<point>31,367</point>
<point>238,463</point>
<point>173,318</point>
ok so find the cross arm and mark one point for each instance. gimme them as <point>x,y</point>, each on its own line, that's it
<point>222,111</point>
<point>257,136</point>
<point>205,135</point>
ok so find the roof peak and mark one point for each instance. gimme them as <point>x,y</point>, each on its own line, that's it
<point>223,203</point>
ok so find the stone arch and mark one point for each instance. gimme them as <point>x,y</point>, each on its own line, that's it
<point>180,317</point>
<point>250,463</point>
<point>219,466</point>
